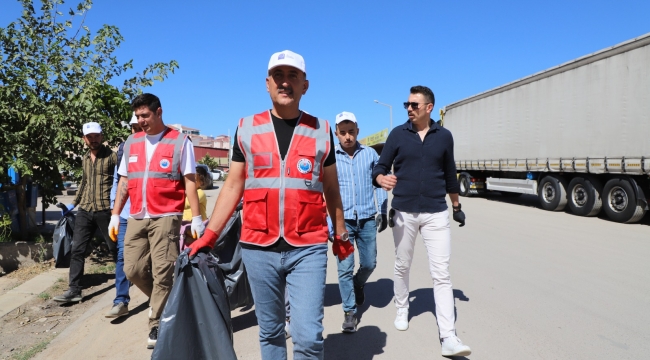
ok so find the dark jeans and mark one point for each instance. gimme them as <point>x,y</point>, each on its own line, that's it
<point>121,283</point>
<point>86,223</point>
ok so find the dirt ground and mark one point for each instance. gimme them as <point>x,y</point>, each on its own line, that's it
<point>27,330</point>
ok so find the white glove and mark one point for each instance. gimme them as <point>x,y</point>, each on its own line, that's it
<point>198,228</point>
<point>114,227</point>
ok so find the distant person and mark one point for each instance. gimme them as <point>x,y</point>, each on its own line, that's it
<point>354,165</point>
<point>122,285</point>
<point>94,200</point>
<point>201,174</point>
<point>422,155</point>
<point>156,172</point>
<point>283,164</point>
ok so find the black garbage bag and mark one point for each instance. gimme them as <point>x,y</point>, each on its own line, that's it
<point>196,321</point>
<point>228,250</point>
<point>62,239</point>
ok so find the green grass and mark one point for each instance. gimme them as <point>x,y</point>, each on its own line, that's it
<point>30,353</point>
<point>44,296</point>
<point>102,269</point>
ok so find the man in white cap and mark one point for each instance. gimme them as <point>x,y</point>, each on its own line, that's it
<point>94,200</point>
<point>355,163</point>
<point>284,230</point>
<point>122,298</point>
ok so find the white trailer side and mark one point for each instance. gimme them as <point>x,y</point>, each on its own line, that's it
<point>587,116</point>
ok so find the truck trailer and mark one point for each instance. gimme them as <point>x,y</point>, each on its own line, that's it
<point>577,134</point>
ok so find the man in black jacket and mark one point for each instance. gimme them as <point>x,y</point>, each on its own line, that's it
<point>422,154</point>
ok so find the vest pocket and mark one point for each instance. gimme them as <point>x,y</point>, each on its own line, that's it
<point>255,204</point>
<point>311,214</point>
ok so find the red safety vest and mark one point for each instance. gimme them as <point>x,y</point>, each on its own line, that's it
<point>159,180</point>
<point>284,198</point>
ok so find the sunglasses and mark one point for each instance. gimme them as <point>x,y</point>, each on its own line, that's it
<point>413,105</point>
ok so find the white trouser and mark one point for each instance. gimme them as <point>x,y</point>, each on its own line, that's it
<point>436,235</point>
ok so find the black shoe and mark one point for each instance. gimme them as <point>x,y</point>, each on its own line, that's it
<point>359,296</point>
<point>68,297</point>
<point>153,337</point>
<point>350,322</point>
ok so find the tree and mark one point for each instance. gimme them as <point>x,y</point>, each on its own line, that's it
<point>56,75</point>
<point>209,161</point>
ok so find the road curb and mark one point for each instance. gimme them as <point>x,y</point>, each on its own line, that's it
<point>28,290</point>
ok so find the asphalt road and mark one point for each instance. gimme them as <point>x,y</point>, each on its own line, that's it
<point>528,284</point>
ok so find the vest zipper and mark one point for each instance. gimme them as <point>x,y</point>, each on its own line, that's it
<point>282,163</point>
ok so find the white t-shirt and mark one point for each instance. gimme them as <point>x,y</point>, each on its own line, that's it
<point>188,166</point>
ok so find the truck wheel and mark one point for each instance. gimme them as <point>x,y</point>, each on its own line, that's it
<point>463,181</point>
<point>552,193</point>
<point>620,201</point>
<point>584,196</point>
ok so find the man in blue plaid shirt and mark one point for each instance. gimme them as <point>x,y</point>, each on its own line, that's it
<point>354,164</point>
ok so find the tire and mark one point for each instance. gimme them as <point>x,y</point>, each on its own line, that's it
<point>464,183</point>
<point>585,196</point>
<point>620,201</point>
<point>552,193</point>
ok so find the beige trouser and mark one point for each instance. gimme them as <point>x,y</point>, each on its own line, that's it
<point>150,251</point>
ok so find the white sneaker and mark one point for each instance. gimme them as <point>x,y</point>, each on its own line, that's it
<point>402,319</point>
<point>452,346</point>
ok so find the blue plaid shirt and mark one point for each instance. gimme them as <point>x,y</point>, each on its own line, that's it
<point>355,181</point>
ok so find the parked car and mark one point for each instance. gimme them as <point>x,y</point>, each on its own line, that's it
<point>207,180</point>
<point>217,174</point>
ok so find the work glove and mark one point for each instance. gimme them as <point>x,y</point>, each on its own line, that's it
<point>204,242</point>
<point>65,208</point>
<point>382,222</point>
<point>459,216</point>
<point>342,249</point>
<point>198,228</point>
<point>114,227</point>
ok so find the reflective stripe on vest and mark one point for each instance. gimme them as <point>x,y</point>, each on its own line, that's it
<point>291,190</point>
<point>139,186</point>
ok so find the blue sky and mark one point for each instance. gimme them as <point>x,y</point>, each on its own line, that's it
<point>355,51</point>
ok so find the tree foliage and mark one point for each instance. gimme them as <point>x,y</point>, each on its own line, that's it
<point>209,161</point>
<point>55,75</point>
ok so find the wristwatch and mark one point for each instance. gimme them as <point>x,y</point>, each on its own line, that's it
<point>344,237</point>
<point>456,208</point>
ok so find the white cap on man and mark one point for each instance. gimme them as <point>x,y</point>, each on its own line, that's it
<point>288,58</point>
<point>134,119</point>
<point>92,128</point>
<point>345,116</point>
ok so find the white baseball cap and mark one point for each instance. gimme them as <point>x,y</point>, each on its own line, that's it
<point>92,128</point>
<point>289,58</point>
<point>345,116</point>
<point>134,120</point>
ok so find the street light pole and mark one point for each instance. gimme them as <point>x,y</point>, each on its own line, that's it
<point>391,113</point>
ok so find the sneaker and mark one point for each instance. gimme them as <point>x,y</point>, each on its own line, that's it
<point>287,331</point>
<point>359,296</point>
<point>68,297</point>
<point>350,322</point>
<point>402,319</point>
<point>153,337</point>
<point>452,346</point>
<point>118,310</point>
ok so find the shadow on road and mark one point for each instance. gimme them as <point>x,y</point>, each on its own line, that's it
<point>378,295</point>
<point>522,200</point>
<point>367,342</point>
<point>423,301</point>
<point>244,321</point>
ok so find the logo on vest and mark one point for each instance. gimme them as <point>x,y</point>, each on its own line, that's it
<point>164,163</point>
<point>304,166</point>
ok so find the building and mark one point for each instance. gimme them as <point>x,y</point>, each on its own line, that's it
<point>217,147</point>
